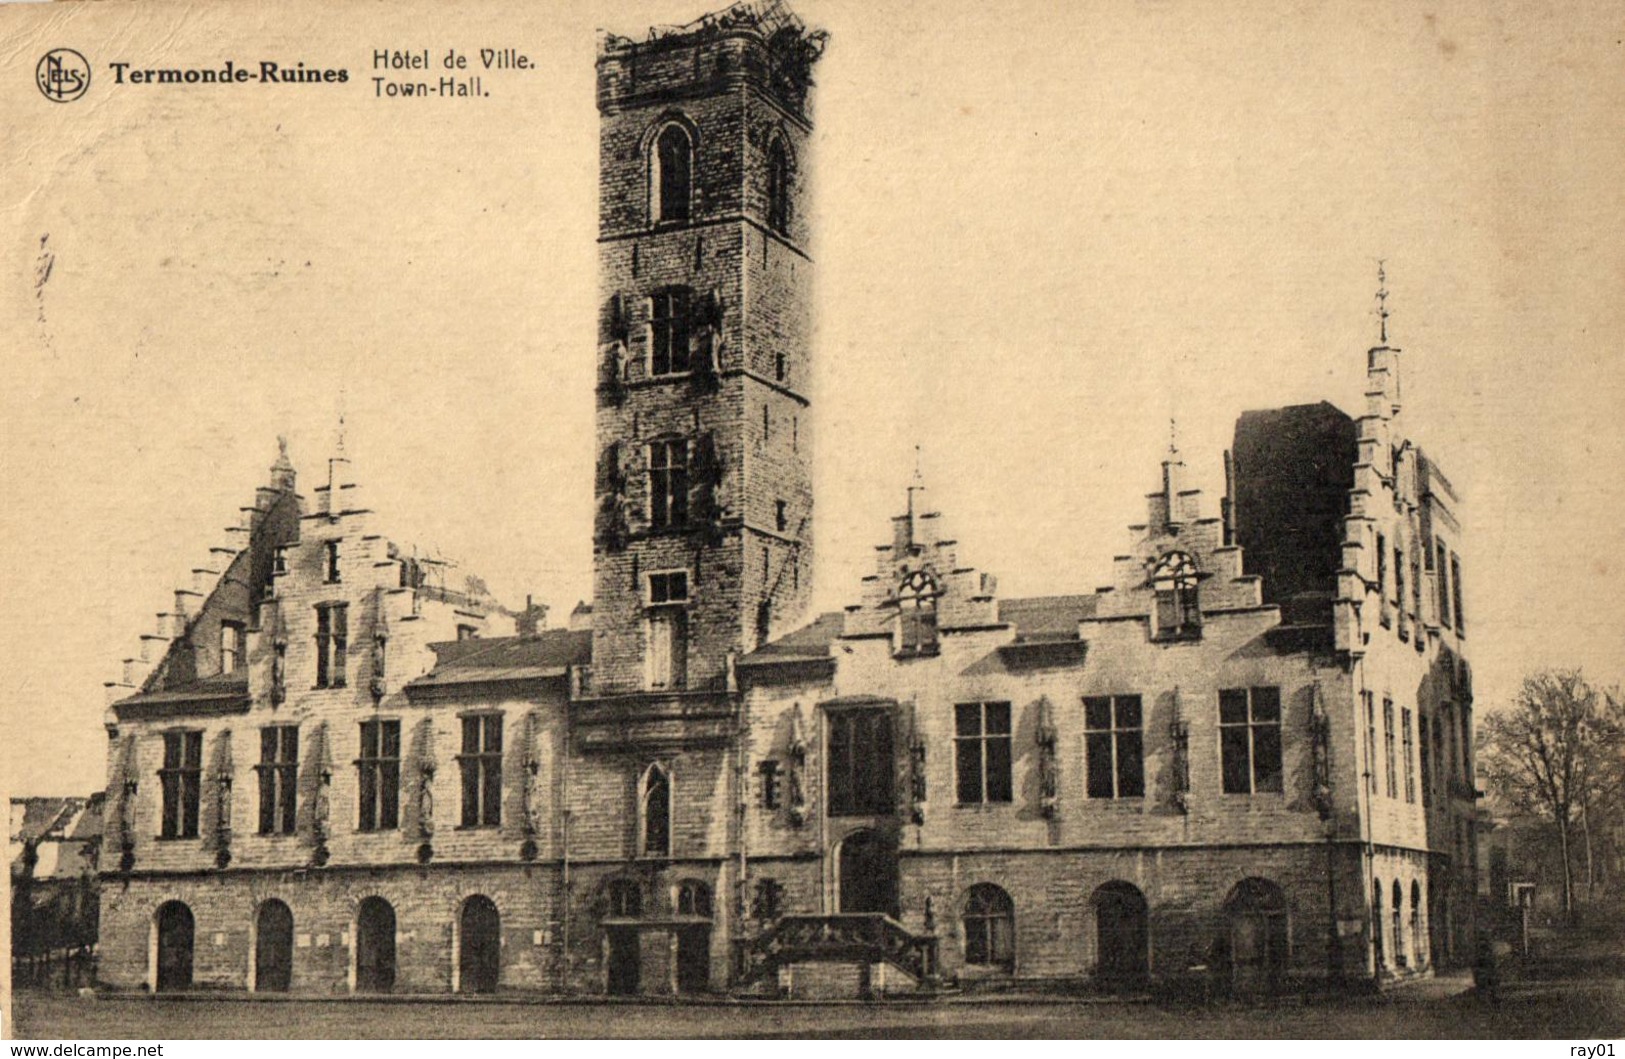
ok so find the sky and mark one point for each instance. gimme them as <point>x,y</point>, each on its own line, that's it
<point>1042,232</point>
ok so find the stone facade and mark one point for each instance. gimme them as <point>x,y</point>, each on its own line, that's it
<point>1243,762</point>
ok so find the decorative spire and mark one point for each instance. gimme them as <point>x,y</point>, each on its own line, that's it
<point>915,485</point>
<point>282,474</point>
<point>1382,301</point>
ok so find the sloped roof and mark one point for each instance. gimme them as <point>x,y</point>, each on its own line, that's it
<point>1038,619</point>
<point>1047,617</point>
<point>504,658</point>
<point>224,691</point>
<point>41,816</point>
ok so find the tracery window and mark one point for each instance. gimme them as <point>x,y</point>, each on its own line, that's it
<point>917,614</point>
<point>1174,581</point>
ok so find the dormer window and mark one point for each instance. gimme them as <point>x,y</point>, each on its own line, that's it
<point>1178,614</point>
<point>671,173</point>
<point>231,647</point>
<point>917,614</point>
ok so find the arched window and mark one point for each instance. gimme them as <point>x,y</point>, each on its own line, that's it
<point>1174,581</point>
<point>625,899</point>
<point>778,187</point>
<point>989,921</point>
<point>1399,924</point>
<point>694,899</point>
<point>654,813</point>
<point>917,614</point>
<point>1418,935</point>
<point>671,172</point>
<point>1376,924</point>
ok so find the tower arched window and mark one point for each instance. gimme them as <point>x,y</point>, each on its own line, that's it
<point>654,813</point>
<point>671,175</point>
<point>778,187</point>
<point>1178,615</point>
<point>917,614</point>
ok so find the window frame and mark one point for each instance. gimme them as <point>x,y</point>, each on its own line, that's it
<point>671,332</point>
<point>983,756</point>
<point>480,768</point>
<point>647,790</point>
<point>860,767</point>
<point>669,482</point>
<point>180,781</point>
<point>278,771</point>
<point>1408,747</point>
<point>1176,597</point>
<point>780,169</point>
<point>917,595</point>
<point>665,208</point>
<point>332,644</point>
<point>378,774</point>
<point>1390,749</point>
<point>238,651</point>
<point>987,908</point>
<point>1253,726</point>
<point>1117,736</point>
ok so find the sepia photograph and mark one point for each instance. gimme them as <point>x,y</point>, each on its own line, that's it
<point>794,518</point>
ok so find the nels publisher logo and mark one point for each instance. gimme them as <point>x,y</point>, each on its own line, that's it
<point>62,75</point>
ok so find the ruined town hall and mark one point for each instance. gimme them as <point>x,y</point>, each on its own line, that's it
<point>1244,761</point>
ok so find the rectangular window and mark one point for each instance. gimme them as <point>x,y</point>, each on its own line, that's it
<point>1423,744</point>
<point>771,784</point>
<point>379,774</point>
<point>1441,568</point>
<point>231,647</point>
<point>1370,701</point>
<point>332,643</point>
<point>781,515</point>
<point>982,751</point>
<point>1390,755</point>
<point>279,774</point>
<point>182,782</point>
<point>1409,747</point>
<point>481,762</point>
<point>668,587</point>
<point>331,561</point>
<point>860,763</point>
<point>668,648</point>
<point>1399,588</point>
<point>1455,593</point>
<point>668,484</point>
<point>668,333</point>
<point>1250,740</point>
<point>1113,743</point>
<point>1382,580</point>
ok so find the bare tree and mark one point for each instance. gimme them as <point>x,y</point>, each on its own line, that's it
<point>1555,754</point>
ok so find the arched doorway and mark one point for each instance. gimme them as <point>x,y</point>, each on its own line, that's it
<point>1256,910</point>
<point>273,947</point>
<point>1122,935</point>
<point>174,939</point>
<point>375,946</point>
<point>479,946</point>
<point>693,937</point>
<point>867,869</point>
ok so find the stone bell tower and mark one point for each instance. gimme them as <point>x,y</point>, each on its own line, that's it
<point>703,536</point>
